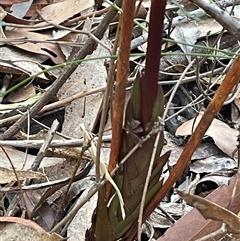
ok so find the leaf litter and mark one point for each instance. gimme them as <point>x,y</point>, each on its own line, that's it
<point>33,41</point>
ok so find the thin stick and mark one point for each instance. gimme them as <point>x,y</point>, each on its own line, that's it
<point>106,98</point>
<point>42,152</point>
<point>60,208</point>
<point>148,178</point>
<point>15,173</point>
<point>175,89</point>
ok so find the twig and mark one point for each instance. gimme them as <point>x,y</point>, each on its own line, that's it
<point>55,105</point>
<point>15,173</point>
<point>60,183</point>
<point>81,38</point>
<point>50,41</point>
<point>201,95</point>
<point>160,125</point>
<point>176,87</point>
<point>106,98</point>
<point>54,143</point>
<point>28,132</point>
<point>60,103</point>
<point>44,126</point>
<point>42,152</point>
<point>60,208</point>
<point>198,13</point>
<point>83,17</point>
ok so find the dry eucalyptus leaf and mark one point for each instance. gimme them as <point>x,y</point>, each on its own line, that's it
<point>18,158</point>
<point>63,10</point>
<point>190,32</point>
<point>10,63</point>
<point>20,9</point>
<point>53,51</point>
<point>224,137</point>
<point>210,210</point>
<point>7,175</point>
<point>210,181</point>
<point>203,151</point>
<point>9,18</point>
<point>186,34</point>
<point>212,164</point>
<point>75,231</point>
<point>10,2</point>
<point>21,94</point>
<point>193,225</point>
<point>12,228</point>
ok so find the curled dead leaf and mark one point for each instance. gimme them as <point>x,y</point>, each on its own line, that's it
<point>211,210</point>
<point>224,137</point>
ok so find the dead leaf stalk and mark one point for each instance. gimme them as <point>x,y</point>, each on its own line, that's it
<point>212,235</point>
<point>125,35</point>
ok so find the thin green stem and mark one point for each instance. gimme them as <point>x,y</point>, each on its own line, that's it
<point>230,55</point>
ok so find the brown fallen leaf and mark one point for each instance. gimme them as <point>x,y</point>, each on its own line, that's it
<point>193,225</point>
<point>53,51</point>
<point>61,11</point>
<point>13,228</point>
<point>224,137</point>
<point>7,175</point>
<point>211,210</point>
